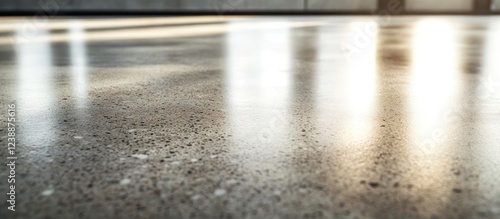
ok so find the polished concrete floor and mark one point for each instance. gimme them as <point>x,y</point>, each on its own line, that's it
<point>253,117</point>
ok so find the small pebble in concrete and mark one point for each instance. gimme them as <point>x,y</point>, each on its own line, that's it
<point>140,156</point>
<point>48,192</point>
<point>124,182</point>
<point>219,192</point>
<point>374,184</point>
<point>231,182</point>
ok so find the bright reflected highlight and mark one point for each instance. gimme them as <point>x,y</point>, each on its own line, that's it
<point>435,72</point>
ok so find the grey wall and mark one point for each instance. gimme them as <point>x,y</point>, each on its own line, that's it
<point>235,5</point>
<point>90,4</point>
<point>439,5</point>
<point>496,4</point>
<point>350,5</point>
<point>156,4</point>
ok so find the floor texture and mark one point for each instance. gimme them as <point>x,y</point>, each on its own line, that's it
<point>253,117</point>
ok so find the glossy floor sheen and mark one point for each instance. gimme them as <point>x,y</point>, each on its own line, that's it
<point>253,117</point>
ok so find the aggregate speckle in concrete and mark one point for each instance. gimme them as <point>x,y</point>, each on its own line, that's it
<point>254,117</point>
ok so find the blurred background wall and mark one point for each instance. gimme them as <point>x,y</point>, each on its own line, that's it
<point>349,5</point>
<point>439,5</point>
<point>496,5</point>
<point>240,5</point>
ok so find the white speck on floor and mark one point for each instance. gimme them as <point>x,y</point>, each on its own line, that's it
<point>176,163</point>
<point>194,160</point>
<point>213,156</point>
<point>219,192</point>
<point>231,182</point>
<point>77,137</point>
<point>124,182</point>
<point>47,192</point>
<point>132,130</point>
<point>195,197</point>
<point>140,156</point>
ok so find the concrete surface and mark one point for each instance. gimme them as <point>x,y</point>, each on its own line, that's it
<point>253,117</point>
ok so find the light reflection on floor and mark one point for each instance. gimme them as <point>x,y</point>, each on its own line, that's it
<point>271,114</point>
